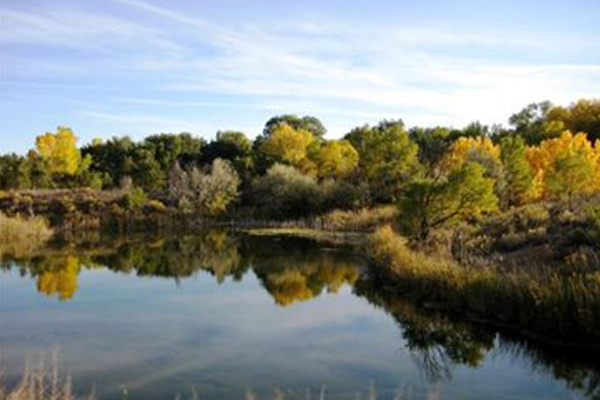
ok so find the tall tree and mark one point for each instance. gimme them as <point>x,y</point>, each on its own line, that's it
<point>59,151</point>
<point>517,171</point>
<point>387,157</point>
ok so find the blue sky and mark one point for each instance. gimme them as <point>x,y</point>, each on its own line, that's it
<point>136,67</point>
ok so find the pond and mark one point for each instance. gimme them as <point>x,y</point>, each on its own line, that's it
<point>235,317</point>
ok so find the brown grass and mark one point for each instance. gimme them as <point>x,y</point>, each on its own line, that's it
<point>20,235</point>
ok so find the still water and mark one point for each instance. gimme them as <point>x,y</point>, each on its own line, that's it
<point>236,316</point>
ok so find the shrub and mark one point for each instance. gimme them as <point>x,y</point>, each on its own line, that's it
<point>19,235</point>
<point>286,192</point>
<point>134,200</point>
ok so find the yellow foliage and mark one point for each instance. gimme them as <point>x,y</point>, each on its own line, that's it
<point>59,150</point>
<point>465,146</point>
<point>336,159</point>
<point>288,144</point>
<point>542,159</point>
<point>60,279</point>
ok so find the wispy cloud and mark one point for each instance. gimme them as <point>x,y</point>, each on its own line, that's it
<point>148,66</point>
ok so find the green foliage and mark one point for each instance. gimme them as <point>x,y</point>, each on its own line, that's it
<point>517,171</point>
<point>572,175</point>
<point>285,192</point>
<point>307,123</point>
<point>388,158</point>
<point>428,203</point>
<point>135,199</point>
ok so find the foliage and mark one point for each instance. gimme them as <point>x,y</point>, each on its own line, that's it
<point>427,203</point>
<point>288,145</point>
<point>517,171</point>
<point>557,306</point>
<point>59,151</point>
<point>209,193</point>
<point>306,123</point>
<point>336,159</point>
<point>290,193</point>
<point>388,157</point>
<point>135,199</point>
<point>553,162</point>
<point>581,116</point>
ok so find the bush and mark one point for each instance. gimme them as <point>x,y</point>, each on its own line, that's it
<point>20,235</point>
<point>285,192</point>
<point>134,200</point>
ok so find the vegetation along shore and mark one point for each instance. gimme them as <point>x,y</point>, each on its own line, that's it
<point>500,224</point>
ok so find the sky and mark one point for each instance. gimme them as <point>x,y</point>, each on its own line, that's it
<point>137,67</point>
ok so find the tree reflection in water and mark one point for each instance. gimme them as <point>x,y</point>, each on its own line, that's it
<point>293,270</point>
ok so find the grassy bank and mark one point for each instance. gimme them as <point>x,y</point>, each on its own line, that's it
<point>21,235</point>
<point>558,306</point>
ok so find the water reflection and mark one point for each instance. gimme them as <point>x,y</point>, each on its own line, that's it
<point>439,342</point>
<point>289,273</point>
<point>293,271</point>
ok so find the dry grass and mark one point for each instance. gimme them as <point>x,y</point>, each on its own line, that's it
<point>363,220</point>
<point>20,235</point>
<point>563,307</point>
<point>40,382</point>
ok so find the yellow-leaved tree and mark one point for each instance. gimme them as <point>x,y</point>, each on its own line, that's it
<point>565,166</point>
<point>290,146</point>
<point>467,148</point>
<point>336,159</point>
<point>59,151</point>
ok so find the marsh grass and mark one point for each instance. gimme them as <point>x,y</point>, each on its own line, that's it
<point>20,235</point>
<point>40,381</point>
<point>557,306</point>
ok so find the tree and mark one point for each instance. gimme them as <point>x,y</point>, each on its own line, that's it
<point>387,157</point>
<point>433,145</point>
<point>285,192</point>
<point>430,203</point>
<point>307,123</point>
<point>288,145</point>
<point>336,159</point>
<point>573,174</point>
<point>543,161</point>
<point>533,125</point>
<point>59,151</point>
<point>517,171</point>
<point>581,116</point>
<point>209,193</point>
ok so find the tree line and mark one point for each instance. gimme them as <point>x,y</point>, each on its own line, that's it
<point>290,170</point>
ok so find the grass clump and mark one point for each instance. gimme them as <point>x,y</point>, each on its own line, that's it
<point>20,235</point>
<point>558,306</point>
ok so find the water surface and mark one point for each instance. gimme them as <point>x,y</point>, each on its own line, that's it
<point>228,316</point>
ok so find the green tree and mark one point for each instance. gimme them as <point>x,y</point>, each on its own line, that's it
<point>306,123</point>
<point>532,123</point>
<point>285,192</point>
<point>517,172</point>
<point>387,158</point>
<point>572,175</point>
<point>431,203</point>
<point>433,145</point>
